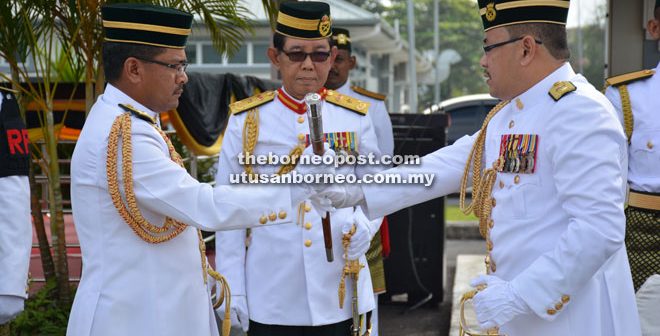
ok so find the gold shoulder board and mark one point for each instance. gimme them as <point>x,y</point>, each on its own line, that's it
<point>560,89</point>
<point>138,114</point>
<point>347,102</point>
<point>368,93</point>
<point>252,102</point>
<point>629,77</point>
<point>2,88</point>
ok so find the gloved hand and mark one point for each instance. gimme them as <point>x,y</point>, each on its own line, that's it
<point>342,195</point>
<point>321,205</point>
<point>10,307</point>
<point>361,239</point>
<point>498,303</point>
<point>238,312</point>
<point>302,191</point>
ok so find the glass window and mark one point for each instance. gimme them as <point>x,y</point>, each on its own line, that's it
<point>191,53</point>
<point>210,55</point>
<point>240,57</point>
<point>259,53</point>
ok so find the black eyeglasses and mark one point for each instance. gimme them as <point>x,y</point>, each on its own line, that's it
<point>495,45</point>
<point>301,56</point>
<point>178,67</point>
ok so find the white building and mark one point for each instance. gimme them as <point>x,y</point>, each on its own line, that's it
<point>382,54</point>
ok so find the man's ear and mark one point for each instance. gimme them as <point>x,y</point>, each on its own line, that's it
<point>530,48</point>
<point>333,54</point>
<point>352,61</point>
<point>133,70</point>
<point>653,27</point>
<point>272,55</point>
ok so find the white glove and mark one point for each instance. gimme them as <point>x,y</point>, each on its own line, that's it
<point>498,303</point>
<point>361,239</point>
<point>343,195</point>
<point>238,312</point>
<point>10,307</point>
<point>302,191</point>
<point>321,205</point>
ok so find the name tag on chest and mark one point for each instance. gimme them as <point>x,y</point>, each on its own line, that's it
<point>518,153</point>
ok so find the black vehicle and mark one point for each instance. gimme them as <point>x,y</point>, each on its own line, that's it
<point>466,113</point>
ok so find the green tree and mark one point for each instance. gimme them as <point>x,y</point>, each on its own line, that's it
<point>593,48</point>
<point>460,29</point>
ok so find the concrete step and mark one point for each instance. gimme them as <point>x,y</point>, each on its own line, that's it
<point>468,266</point>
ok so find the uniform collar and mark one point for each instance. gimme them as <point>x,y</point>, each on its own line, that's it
<point>295,105</point>
<point>346,88</point>
<point>541,89</point>
<point>114,96</point>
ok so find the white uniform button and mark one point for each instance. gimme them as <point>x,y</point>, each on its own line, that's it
<point>511,124</point>
<point>519,104</point>
<point>308,207</point>
<point>301,137</point>
<point>272,217</point>
<point>301,119</point>
<point>308,225</point>
<point>282,214</point>
<point>516,179</point>
<point>308,243</point>
<point>263,220</point>
<point>501,184</point>
<point>649,145</point>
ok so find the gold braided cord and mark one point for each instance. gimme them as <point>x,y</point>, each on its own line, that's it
<point>351,267</point>
<point>475,160</point>
<point>250,138</point>
<point>148,232</point>
<point>483,206</point>
<point>627,111</point>
<point>223,294</point>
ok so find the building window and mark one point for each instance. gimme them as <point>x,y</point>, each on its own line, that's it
<point>259,53</point>
<point>241,56</point>
<point>191,53</point>
<point>210,55</point>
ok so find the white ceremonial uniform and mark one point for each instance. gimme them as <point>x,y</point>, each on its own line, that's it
<point>284,272</point>
<point>644,151</point>
<point>379,118</point>
<point>15,232</point>
<point>557,233</point>
<point>129,286</point>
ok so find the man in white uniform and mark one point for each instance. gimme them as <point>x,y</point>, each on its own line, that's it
<point>635,98</point>
<point>338,79</point>
<point>281,282</point>
<point>15,225</point>
<point>548,176</point>
<point>135,206</point>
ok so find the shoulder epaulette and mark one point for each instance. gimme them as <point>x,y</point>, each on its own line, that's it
<point>2,88</point>
<point>138,114</point>
<point>368,93</point>
<point>629,77</point>
<point>347,102</point>
<point>560,89</point>
<point>251,102</point>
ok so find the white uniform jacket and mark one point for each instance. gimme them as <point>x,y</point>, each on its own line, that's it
<point>284,271</point>
<point>379,118</point>
<point>644,151</point>
<point>129,286</point>
<point>15,232</point>
<point>558,232</point>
